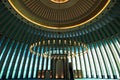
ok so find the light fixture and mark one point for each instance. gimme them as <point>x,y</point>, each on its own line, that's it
<point>56,76</point>
<point>70,53</point>
<point>62,76</point>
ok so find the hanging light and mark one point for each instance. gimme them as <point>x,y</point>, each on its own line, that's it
<point>70,54</point>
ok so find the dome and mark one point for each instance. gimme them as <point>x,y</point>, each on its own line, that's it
<point>59,14</point>
<point>60,39</point>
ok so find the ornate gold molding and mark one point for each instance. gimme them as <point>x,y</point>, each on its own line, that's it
<point>59,1</point>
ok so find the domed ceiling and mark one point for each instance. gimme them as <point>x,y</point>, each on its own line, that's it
<point>59,14</point>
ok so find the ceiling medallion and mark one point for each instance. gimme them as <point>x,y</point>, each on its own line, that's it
<point>59,1</point>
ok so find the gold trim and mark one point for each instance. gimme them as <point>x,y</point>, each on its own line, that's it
<point>59,28</point>
<point>59,1</point>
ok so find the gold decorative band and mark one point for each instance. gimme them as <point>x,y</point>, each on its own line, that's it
<point>59,1</point>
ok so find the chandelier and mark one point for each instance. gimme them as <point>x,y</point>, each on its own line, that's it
<point>59,47</point>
